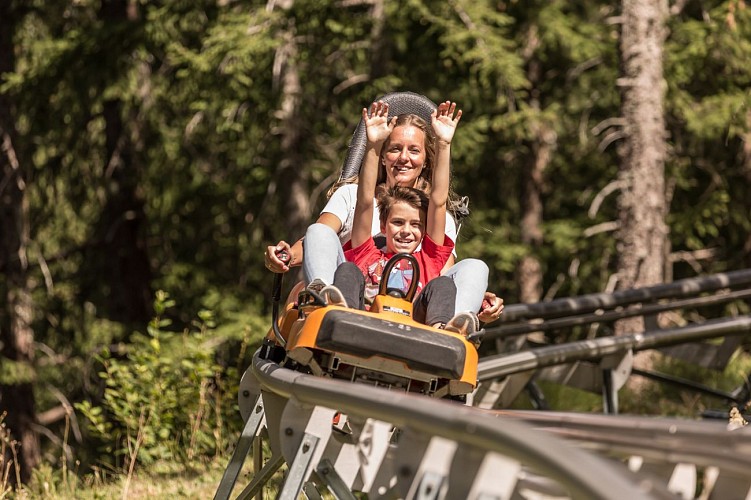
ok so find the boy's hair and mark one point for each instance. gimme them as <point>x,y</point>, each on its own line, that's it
<point>388,196</point>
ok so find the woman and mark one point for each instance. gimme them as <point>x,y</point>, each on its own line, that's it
<point>404,161</point>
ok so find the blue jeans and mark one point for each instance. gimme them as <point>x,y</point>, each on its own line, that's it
<point>471,279</point>
<point>322,255</point>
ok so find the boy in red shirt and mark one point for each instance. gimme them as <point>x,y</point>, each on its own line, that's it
<point>410,218</point>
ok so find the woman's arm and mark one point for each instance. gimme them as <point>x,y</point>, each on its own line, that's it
<point>295,251</point>
<point>449,264</point>
<point>377,129</point>
<point>444,125</point>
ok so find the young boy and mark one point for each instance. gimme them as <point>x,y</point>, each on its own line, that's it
<point>409,217</point>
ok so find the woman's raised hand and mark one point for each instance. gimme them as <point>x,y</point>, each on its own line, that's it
<point>377,124</point>
<point>444,121</point>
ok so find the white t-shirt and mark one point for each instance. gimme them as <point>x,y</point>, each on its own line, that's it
<point>342,205</point>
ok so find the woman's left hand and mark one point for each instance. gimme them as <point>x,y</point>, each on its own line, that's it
<point>444,121</point>
<point>491,309</point>
<point>378,127</point>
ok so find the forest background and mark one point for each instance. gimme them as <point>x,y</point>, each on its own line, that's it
<point>151,150</point>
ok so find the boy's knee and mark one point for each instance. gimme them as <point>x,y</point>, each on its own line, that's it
<point>443,283</point>
<point>348,271</point>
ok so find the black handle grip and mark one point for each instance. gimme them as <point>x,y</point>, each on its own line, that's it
<point>276,296</point>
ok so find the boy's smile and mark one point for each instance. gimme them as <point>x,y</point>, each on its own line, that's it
<point>404,228</point>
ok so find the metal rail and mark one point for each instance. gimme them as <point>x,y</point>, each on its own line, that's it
<point>669,454</point>
<point>522,328</point>
<point>592,302</point>
<point>594,349</point>
<point>700,443</point>
<point>583,474</point>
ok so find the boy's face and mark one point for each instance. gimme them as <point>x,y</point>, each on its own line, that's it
<point>404,156</point>
<point>404,228</point>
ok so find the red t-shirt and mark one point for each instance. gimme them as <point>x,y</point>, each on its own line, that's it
<point>371,261</point>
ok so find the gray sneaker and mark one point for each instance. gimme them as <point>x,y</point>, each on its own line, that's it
<point>333,296</point>
<point>464,323</point>
<point>310,297</point>
<point>316,286</point>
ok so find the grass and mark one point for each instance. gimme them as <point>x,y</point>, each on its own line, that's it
<point>164,480</point>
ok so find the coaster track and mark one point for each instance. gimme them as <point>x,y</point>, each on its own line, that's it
<point>345,438</point>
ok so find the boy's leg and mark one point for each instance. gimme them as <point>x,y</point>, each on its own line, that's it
<point>435,303</point>
<point>322,253</point>
<point>471,279</point>
<point>349,280</point>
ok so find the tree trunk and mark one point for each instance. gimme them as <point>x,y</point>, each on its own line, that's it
<point>379,49</point>
<point>642,236</point>
<point>16,311</point>
<point>122,257</point>
<point>747,176</point>
<point>529,271</point>
<point>293,180</point>
<point>541,148</point>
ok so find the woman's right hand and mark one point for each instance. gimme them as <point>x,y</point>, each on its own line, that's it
<point>377,124</point>
<point>274,257</point>
<point>444,121</point>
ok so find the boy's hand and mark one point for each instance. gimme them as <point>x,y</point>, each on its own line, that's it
<point>491,308</point>
<point>377,124</point>
<point>444,122</point>
<point>277,257</point>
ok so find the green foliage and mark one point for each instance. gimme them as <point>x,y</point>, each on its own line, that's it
<point>188,97</point>
<point>474,37</point>
<point>16,372</point>
<point>708,102</point>
<point>166,398</point>
<point>672,400</point>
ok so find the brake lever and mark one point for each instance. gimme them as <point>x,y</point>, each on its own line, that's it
<point>276,295</point>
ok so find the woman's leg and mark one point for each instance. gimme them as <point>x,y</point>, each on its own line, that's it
<point>471,279</point>
<point>349,280</point>
<point>322,253</point>
<point>434,304</point>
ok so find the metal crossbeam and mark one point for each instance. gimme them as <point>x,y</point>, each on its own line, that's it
<point>244,444</point>
<point>569,306</point>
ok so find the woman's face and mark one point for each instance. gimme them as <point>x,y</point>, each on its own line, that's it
<point>404,156</point>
